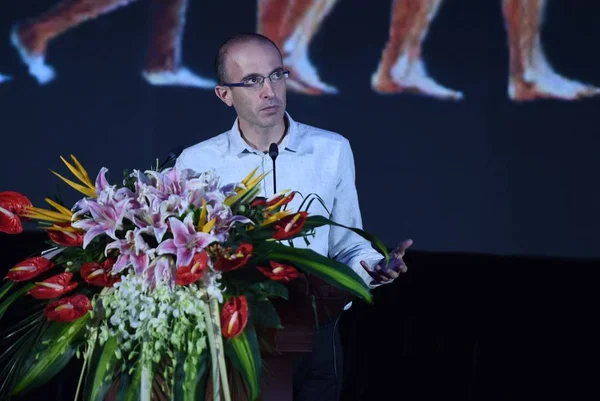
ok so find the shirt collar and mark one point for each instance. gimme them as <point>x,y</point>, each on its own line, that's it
<point>289,144</point>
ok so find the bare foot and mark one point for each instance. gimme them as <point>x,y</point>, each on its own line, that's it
<point>541,82</point>
<point>410,78</point>
<point>34,60</point>
<point>180,77</point>
<point>303,72</point>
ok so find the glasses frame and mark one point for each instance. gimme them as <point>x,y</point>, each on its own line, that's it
<point>286,74</point>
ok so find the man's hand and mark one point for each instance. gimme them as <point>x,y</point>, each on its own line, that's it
<point>383,273</point>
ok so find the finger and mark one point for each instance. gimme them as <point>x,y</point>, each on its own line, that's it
<point>392,273</point>
<point>366,266</point>
<point>387,274</point>
<point>404,245</point>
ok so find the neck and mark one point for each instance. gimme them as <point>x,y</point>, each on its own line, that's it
<point>261,138</point>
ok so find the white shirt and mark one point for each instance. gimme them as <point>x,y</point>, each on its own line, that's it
<point>311,160</point>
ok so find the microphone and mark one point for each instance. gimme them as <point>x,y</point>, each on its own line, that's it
<point>274,152</point>
<point>170,157</point>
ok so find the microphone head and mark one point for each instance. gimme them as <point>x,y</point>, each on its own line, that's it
<point>273,150</point>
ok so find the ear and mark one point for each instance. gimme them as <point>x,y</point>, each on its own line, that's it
<point>224,93</point>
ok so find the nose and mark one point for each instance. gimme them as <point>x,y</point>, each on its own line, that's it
<point>267,91</point>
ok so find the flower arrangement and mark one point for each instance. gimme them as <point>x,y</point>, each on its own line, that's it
<point>158,280</point>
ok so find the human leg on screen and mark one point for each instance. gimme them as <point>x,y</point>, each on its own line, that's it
<point>4,78</point>
<point>401,68</point>
<point>32,37</point>
<point>163,61</point>
<point>531,75</point>
<point>292,24</point>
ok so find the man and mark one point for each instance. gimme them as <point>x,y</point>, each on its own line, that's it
<point>311,160</point>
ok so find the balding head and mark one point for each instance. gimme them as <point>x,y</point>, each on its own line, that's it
<point>231,43</point>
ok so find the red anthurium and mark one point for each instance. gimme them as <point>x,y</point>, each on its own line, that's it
<point>53,287</point>
<point>279,272</point>
<point>14,201</point>
<point>68,309</point>
<point>186,275</point>
<point>275,201</point>
<point>259,202</point>
<point>290,225</point>
<point>234,316</point>
<point>29,268</point>
<point>226,263</point>
<point>98,274</point>
<point>280,200</point>
<point>12,204</point>
<point>66,238</point>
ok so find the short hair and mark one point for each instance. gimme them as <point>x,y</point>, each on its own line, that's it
<point>237,39</point>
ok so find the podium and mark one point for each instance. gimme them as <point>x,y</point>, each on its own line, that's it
<point>295,339</point>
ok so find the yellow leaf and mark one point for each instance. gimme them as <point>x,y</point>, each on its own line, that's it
<point>36,216</point>
<point>59,207</point>
<point>249,176</point>
<point>208,226</point>
<point>48,213</point>
<point>202,219</point>
<point>77,173</point>
<point>277,216</point>
<point>84,190</point>
<point>83,172</point>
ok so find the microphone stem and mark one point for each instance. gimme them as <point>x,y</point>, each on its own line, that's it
<point>274,178</point>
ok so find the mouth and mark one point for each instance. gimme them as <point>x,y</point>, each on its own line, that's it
<point>270,108</point>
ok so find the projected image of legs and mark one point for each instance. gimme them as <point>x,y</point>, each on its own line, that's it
<point>292,24</point>
<point>4,78</point>
<point>163,64</point>
<point>401,68</point>
<point>32,37</point>
<point>531,75</point>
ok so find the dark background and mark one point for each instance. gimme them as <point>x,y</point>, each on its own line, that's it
<point>501,198</point>
<point>482,175</point>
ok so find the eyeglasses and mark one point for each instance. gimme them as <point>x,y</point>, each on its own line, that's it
<point>258,81</point>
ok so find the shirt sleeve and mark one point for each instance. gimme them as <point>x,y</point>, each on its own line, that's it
<point>344,245</point>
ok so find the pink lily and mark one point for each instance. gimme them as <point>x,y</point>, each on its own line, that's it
<point>186,241</point>
<point>133,251</point>
<point>160,272</point>
<point>224,220</point>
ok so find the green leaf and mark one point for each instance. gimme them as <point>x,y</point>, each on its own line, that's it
<point>5,288</point>
<point>269,289</point>
<point>318,221</point>
<point>99,375</point>
<point>129,385</point>
<point>264,314</point>
<point>13,297</point>
<point>50,354</point>
<point>244,354</point>
<point>329,270</point>
<point>191,385</point>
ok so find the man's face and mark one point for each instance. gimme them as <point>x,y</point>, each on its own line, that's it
<point>260,107</point>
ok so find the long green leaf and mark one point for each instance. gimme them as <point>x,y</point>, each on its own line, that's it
<point>190,384</point>
<point>129,385</point>
<point>5,288</point>
<point>329,270</point>
<point>50,354</point>
<point>13,297</point>
<point>99,375</point>
<point>318,221</point>
<point>244,354</point>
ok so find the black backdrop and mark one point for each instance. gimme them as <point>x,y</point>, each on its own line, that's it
<point>484,174</point>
